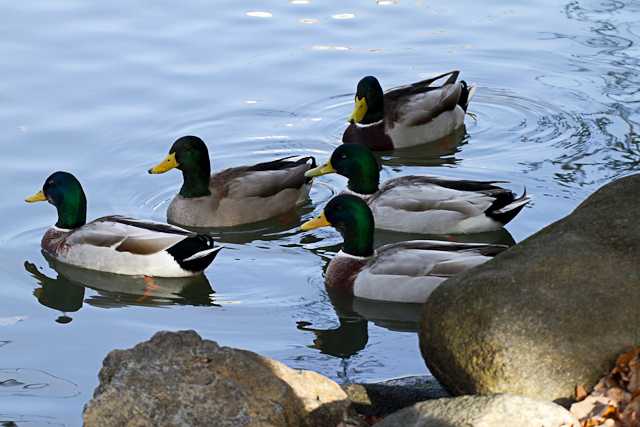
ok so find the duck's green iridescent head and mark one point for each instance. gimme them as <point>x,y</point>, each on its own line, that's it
<point>369,102</point>
<point>64,191</point>
<point>190,155</point>
<point>353,219</point>
<point>355,162</point>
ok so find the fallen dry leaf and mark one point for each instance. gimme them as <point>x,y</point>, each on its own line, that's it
<point>615,400</point>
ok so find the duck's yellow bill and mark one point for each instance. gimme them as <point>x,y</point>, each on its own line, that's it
<point>320,170</point>
<point>167,164</point>
<point>38,197</point>
<point>359,110</point>
<point>317,222</point>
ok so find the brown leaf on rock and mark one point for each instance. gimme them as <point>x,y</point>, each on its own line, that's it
<point>615,400</point>
<point>581,392</point>
<point>631,414</point>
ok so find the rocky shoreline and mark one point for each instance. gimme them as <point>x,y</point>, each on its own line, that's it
<point>517,340</point>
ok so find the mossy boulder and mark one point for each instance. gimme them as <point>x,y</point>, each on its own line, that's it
<point>550,313</point>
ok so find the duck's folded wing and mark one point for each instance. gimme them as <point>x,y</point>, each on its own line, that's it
<point>124,234</point>
<point>393,94</point>
<point>418,193</point>
<point>264,179</point>
<point>421,108</point>
<point>410,271</point>
<point>426,257</point>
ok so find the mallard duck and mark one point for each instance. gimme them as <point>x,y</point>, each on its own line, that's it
<point>233,196</point>
<point>118,244</point>
<point>408,115</point>
<point>399,272</point>
<point>423,204</point>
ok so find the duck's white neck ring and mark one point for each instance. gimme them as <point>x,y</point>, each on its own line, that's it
<point>366,125</point>
<point>343,254</point>
<point>64,230</point>
<point>364,197</point>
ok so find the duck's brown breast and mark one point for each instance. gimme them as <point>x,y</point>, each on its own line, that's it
<point>342,271</point>
<point>54,241</point>
<point>373,136</point>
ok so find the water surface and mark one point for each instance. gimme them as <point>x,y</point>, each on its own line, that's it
<point>103,89</point>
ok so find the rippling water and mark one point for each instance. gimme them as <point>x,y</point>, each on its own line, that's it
<point>103,89</point>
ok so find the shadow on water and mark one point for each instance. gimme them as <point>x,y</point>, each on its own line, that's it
<point>66,293</point>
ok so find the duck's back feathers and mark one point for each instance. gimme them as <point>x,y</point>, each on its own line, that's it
<point>418,109</point>
<point>410,271</point>
<point>124,245</point>
<point>399,92</point>
<point>434,205</point>
<point>128,235</point>
<point>263,179</point>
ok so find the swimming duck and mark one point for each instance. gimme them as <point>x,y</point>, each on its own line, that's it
<point>233,196</point>
<point>399,272</point>
<point>422,204</point>
<point>408,115</point>
<point>118,244</point>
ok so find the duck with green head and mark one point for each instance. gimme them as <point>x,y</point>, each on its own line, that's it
<point>399,272</point>
<point>117,244</point>
<point>234,196</point>
<point>422,204</point>
<point>409,115</point>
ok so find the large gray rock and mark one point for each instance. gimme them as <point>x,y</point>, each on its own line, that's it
<point>178,379</point>
<point>482,411</point>
<point>550,313</point>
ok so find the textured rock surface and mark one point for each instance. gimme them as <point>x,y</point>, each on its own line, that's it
<point>482,411</point>
<point>379,399</point>
<point>178,379</point>
<point>550,313</point>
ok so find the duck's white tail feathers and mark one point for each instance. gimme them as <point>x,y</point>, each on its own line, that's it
<point>508,212</point>
<point>521,201</point>
<point>203,254</point>
<point>195,252</point>
<point>468,91</point>
<point>472,92</point>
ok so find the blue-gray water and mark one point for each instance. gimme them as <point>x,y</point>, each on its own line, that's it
<point>103,88</point>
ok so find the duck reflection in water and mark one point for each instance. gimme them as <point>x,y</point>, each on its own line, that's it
<point>58,294</point>
<point>66,291</point>
<point>354,314</point>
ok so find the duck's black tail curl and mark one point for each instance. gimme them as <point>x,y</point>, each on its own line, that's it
<point>195,253</point>
<point>464,96</point>
<point>505,208</point>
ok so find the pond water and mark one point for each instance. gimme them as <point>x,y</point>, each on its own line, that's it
<point>102,89</point>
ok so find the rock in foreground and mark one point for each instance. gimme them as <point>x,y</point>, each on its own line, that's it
<point>547,315</point>
<point>380,399</point>
<point>482,411</point>
<point>177,378</point>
